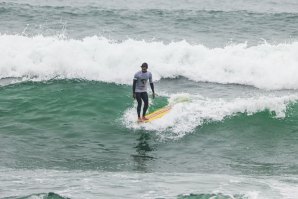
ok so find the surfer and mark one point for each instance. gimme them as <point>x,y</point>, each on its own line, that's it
<point>139,90</point>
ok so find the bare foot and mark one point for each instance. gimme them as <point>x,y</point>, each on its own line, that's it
<point>140,119</point>
<point>144,118</point>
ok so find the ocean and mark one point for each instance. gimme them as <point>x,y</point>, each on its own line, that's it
<point>68,128</point>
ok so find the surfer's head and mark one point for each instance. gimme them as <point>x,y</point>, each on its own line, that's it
<point>144,67</point>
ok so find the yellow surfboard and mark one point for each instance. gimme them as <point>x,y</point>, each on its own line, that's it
<point>158,113</point>
<point>165,110</point>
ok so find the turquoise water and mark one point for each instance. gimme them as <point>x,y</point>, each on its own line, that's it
<point>68,120</point>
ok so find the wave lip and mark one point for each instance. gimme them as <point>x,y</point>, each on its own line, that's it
<point>264,66</point>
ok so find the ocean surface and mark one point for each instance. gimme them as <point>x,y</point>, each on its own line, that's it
<point>68,125</point>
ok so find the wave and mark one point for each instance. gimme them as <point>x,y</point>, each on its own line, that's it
<point>52,195</point>
<point>272,6</point>
<point>49,195</point>
<point>185,117</point>
<point>123,185</point>
<point>212,196</point>
<point>264,66</point>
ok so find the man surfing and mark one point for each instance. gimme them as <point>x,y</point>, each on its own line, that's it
<point>139,89</point>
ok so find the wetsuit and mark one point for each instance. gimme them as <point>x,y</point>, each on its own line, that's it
<point>140,89</point>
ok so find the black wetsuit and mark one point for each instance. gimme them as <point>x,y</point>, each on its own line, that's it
<point>142,96</point>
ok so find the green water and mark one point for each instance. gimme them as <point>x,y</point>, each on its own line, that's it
<point>67,124</point>
<point>79,125</point>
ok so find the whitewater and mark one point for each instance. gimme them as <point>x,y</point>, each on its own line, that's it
<point>265,66</point>
<point>184,117</point>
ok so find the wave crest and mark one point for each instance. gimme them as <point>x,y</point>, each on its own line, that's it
<point>264,66</point>
<point>186,116</point>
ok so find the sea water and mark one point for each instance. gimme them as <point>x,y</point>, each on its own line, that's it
<point>68,128</point>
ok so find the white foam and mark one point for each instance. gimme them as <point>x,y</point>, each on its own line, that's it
<point>94,184</point>
<point>184,117</point>
<point>288,189</point>
<point>97,58</point>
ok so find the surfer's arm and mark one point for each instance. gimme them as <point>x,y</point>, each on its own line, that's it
<point>134,88</point>
<point>151,85</point>
<point>152,88</point>
<point>135,78</point>
<point>151,82</point>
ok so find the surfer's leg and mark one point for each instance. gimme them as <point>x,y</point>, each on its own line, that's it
<point>139,100</point>
<point>145,99</point>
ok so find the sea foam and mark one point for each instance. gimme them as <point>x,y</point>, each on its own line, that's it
<point>185,116</point>
<point>264,66</point>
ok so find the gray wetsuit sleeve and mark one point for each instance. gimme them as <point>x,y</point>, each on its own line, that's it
<point>135,77</point>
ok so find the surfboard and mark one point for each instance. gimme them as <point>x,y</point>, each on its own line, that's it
<point>165,110</point>
<point>158,113</point>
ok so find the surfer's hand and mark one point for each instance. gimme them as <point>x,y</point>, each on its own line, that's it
<point>134,95</point>
<point>153,95</point>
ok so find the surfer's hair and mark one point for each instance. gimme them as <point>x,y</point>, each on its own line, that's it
<point>144,65</point>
